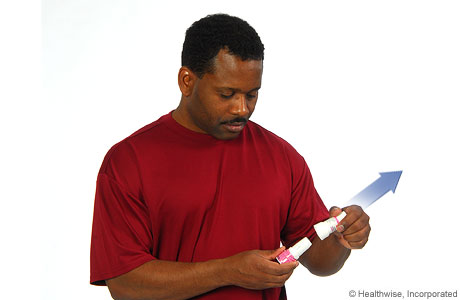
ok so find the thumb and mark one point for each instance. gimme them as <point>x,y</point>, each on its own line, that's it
<point>272,254</point>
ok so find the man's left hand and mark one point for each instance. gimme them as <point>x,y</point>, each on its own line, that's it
<point>353,231</point>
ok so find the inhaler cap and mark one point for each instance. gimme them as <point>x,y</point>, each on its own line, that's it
<point>298,249</point>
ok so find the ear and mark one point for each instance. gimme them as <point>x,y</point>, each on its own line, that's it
<point>186,80</point>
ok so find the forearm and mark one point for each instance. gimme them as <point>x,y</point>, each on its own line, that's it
<point>159,279</point>
<point>253,269</point>
<point>325,257</point>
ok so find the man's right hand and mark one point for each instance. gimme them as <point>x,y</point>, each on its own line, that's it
<point>257,269</point>
<point>161,279</point>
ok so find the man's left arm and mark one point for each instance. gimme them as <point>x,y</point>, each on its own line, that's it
<point>328,256</point>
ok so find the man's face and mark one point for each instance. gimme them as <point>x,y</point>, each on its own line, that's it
<point>222,102</point>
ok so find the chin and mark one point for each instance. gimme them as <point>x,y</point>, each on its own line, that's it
<point>226,136</point>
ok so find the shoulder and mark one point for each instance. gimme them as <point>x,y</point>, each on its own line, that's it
<point>124,156</point>
<point>260,132</point>
<point>263,135</point>
<point>153,130</point>
<point>279,148</point>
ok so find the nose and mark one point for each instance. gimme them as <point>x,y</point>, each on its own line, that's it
<point>240,106</point>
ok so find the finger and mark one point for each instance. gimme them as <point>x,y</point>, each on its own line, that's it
<point>357,226</point>
<point>272,254</point>
<point>334,211</point>
<point>337,233</point>
<point>279,280</point>
<point>340,229</point>
<point>358,239</point>
<point>359,244</point>
<point>339,236</point>
<point>280,269</point>
<point>358,235</point>
<point>353,210</point>
<point>355,220</point>
<point>270,266</point>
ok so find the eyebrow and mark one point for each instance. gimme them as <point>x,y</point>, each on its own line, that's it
<point>219,89</point>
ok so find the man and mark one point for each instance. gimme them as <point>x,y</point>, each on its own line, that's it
<point>197,203</point>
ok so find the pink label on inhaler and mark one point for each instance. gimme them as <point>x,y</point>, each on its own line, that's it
<point>285,257</point>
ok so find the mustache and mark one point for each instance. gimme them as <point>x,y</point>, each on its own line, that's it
<point>236,120</point>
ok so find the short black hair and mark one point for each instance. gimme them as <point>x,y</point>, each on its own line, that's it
<point>207,36</point>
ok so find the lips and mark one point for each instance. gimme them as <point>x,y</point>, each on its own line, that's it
<point>234,127</point>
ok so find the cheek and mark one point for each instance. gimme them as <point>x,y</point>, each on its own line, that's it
<point>209,108</point>
<point>214,107</point>
<point>252,106</point>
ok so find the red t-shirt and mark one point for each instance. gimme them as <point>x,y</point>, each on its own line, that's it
<point>173,194</point>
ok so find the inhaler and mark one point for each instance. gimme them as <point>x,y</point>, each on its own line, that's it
<point>293,253</point>
<point>325,228</point>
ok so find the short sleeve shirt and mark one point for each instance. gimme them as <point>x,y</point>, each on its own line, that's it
<point>173,194</point>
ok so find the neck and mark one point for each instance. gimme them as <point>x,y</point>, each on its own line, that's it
<point>181,116</point>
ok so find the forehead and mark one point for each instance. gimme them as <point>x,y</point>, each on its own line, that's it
<point>231,71</point>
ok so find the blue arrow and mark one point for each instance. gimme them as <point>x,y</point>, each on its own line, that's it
<point>387,182</point>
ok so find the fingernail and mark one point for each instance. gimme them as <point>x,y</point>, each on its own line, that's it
<point>340,228</point>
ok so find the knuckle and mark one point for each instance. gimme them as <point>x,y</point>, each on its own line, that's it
<point>355,207</point>
<point>363,223</point>
<point>362,243</point>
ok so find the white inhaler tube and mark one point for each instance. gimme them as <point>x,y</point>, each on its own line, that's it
<point>293,253</point>
<point>325,228</point>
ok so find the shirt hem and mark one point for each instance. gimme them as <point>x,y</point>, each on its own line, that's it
<point>99,278</point>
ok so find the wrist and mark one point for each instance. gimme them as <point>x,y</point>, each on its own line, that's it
<point>221,270</point>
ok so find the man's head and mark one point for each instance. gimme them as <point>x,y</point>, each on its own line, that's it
<point>220,76</point>
<point>206,37</point>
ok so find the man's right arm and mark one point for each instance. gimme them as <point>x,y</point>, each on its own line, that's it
<point>159,279</point>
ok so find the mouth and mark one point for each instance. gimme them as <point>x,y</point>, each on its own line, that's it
<point>234,127</point>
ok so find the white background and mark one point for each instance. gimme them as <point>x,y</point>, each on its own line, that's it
<point>358,87</point>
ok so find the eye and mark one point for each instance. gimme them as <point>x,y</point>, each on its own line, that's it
<point>251,96</point>
<point>227,96</point>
